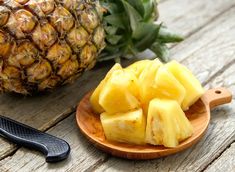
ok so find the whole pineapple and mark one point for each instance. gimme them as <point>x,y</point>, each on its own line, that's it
<point>46,43</point>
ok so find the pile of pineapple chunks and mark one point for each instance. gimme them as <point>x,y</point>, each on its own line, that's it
<point>145,102</point>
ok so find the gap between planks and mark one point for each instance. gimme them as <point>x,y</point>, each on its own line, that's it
<point>201,27</point>
<point>189,34</point>
<point>217,157</point>
<point>212,20</point>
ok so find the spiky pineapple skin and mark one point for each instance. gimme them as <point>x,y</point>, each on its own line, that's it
<point>46,43</point>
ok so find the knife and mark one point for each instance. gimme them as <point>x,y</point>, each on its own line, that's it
<point>55,149</point>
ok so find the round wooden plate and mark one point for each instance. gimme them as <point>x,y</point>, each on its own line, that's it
<point>198,114</point>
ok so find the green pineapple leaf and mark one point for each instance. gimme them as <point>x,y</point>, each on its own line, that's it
<point>115,20</point>
<point>147,35</point>
<point>166,36</point>
<point>161,51</point>
<point>134,16</point>
<point>130,28</point>
<point>138,5</point>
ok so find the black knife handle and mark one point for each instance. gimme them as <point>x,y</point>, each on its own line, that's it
<point>54,148</point>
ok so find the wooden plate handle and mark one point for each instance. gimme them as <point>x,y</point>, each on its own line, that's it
<point>217,96</point>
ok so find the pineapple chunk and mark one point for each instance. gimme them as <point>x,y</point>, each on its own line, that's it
<point>94,99</point>
<point>166,123</point>
<point>120,93</point>
<point>167,86</point>
<point>138,67</point>
<point>146,79</point>
<point>194,89</point>
<point>128,127</point>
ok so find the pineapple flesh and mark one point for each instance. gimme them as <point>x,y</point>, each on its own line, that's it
<point>193,88</point>
<point>120,93</point>
<point>144,103</point>
<point>167,124</point>
<point>46,43</point>
<point>137,67</point>
<point>94,99</point>
<point>146,79</point>
<point>128,127</point>
<point>166,86</point>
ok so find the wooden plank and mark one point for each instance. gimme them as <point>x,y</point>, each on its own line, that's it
<point>187,16</point>
<point>45,110</point>
<point>226,162</point>
<point>198,156</point>
<point>82,155</point>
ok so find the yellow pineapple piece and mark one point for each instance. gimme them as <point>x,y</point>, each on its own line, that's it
<point>167,86</point>
<point>120,93</point>
<point>94,99</point>
<point>194,89</point>
<point>146,80</point>
<point>138,67</point>
<point>166,123</point>
<point>128,127</point>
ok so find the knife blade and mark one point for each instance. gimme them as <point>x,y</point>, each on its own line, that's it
<point>54,148</point>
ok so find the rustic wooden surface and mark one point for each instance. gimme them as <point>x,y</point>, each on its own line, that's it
<point>208,50</point>
<point>219,165</point>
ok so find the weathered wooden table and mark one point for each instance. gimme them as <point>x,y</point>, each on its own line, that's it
<point>208,50</point>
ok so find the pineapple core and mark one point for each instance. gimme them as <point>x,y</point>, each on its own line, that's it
<point>94,99</point>
<point>167,124</point>
<point>120,93</point>
<point>192,86</point>
<point>128,127</point>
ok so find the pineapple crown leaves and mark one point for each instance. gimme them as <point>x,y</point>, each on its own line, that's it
<point>130,28</point>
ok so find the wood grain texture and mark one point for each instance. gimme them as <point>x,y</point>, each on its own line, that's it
<point>46,110</point>
<point>226,162</point>
<point>219,135</point>
<point>187,16</point>
<point>82,156</point>
<point>53,107</point>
